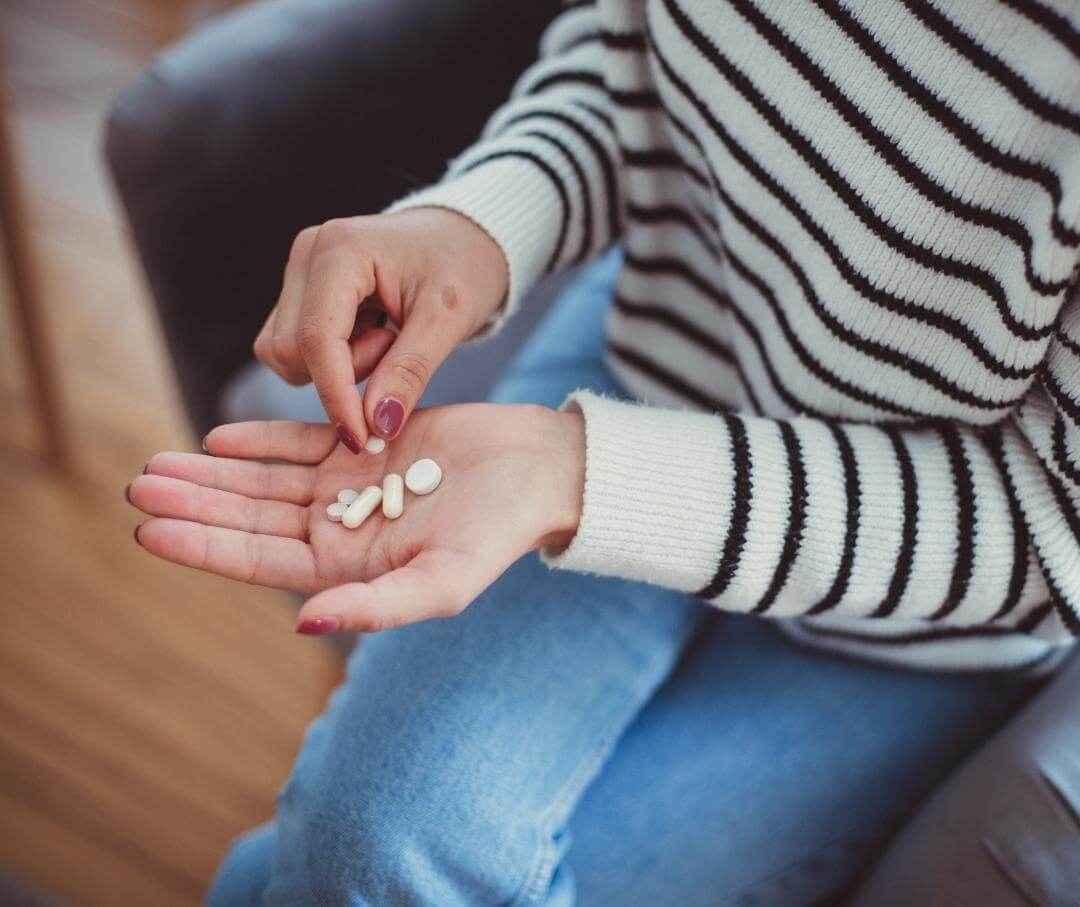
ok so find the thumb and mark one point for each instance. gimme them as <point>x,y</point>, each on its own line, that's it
<point>403,373</point>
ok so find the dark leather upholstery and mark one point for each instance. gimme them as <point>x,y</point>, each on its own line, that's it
<point>281,115</point>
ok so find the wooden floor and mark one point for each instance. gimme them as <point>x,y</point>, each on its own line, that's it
<point>147,714</point>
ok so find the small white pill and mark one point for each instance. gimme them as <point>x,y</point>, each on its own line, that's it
<point>335,511</point>
<point>393,496</point>
<point>374,444</point>
<point>360,509</point>
<point>347,495</point>
<point>423,477</point>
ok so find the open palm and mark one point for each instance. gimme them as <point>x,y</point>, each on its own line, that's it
<point>508,486</point>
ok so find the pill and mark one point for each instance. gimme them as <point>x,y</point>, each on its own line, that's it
<point>335,511</point>
<point>423,477</point>
<point>347,495</point>
<point>360,509</point>
<point>374,444</point>
<point>393,496</point>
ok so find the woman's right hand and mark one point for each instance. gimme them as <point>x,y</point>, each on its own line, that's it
<point>432,272</point>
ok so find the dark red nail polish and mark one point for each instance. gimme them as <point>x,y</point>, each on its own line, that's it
<point>348,439</point>
<point>127,492</point>
<point>137,542</point>
<point>389,416</point>
<point>319,626</point>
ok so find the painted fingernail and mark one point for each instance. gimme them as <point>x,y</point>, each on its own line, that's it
<point>319,626</point>
<point>137,542</point>
<point>389,416</point>
<point>348,439</point>
<point>127,492</point>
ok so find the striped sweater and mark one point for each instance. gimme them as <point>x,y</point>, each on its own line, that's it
<point>847,307</point>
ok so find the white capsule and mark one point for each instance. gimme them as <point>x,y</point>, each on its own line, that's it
<point>347,495</point>
<point>423,477</point>
<point>335,511</point>
<point>374,444</point>
<point>360,509</point>
<point>393,496</point>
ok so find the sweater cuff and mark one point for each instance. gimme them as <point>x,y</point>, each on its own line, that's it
<point>516,205</point>
<point>657,494</point>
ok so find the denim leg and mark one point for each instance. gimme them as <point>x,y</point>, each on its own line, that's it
<point>447,764</point>
<point>764,773</point>
<point>450,767</point>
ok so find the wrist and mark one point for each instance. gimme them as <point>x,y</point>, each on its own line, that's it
<point>566,460</point>
<point>470,251</point>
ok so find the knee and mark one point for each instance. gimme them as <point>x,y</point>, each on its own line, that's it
<point>431,827</point>
<point>245,872</point>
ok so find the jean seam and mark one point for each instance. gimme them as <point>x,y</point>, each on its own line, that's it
<point>539,874</point>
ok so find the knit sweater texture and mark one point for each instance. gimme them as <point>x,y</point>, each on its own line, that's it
<point>847,310</point>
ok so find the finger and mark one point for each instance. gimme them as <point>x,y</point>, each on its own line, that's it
<point>432,584</point>
<point>368,350</point>
<point>297,442</point>
<point>427,337</point>
<point>264,560</point>
<point>168,497</point>
<point>284,341</point>
<point>295,484</point>
<point>339,279</point>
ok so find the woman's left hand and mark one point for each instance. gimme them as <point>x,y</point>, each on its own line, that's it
<point>513,478</point>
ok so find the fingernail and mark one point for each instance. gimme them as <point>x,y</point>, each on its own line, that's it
<point>127,492</point>
<point>389,415</point>
<point>319,626</point>
<point>146,466</point>
<point>348,439</point>
<point>204,447</point>
<point>137,542</point>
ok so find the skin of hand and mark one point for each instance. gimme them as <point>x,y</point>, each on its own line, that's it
<point>513,481</point>
<point>435,274</point>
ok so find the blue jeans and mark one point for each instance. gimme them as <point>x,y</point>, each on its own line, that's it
<point>577,740</point>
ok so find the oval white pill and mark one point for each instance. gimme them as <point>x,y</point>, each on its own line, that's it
<point>335,511</point>
<point>374,444</point>
<point>393,496</point>
<point>347,495</point>
<point>360,509</point>
<point>423,477</point>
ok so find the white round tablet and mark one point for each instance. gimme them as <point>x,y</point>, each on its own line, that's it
<point>374,444</point>
<point>335,511</point>
<point>347,495</point>
<point>423,476</point>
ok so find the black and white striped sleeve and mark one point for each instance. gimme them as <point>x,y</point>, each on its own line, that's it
<point>815,518</point>
<point>543,179</point>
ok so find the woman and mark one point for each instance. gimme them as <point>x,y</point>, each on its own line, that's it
<point>838,389</point>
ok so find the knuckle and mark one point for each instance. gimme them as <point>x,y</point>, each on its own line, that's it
<point>372,623</point>
<point>309,337</point>
<point>334,232</point>
<point>412,370</point>
<point>283,348</point>
<point>302,244</point>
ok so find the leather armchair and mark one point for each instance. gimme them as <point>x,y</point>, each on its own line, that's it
<point>284,114</point>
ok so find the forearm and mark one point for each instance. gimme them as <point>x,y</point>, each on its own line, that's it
<point>543,179</point>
